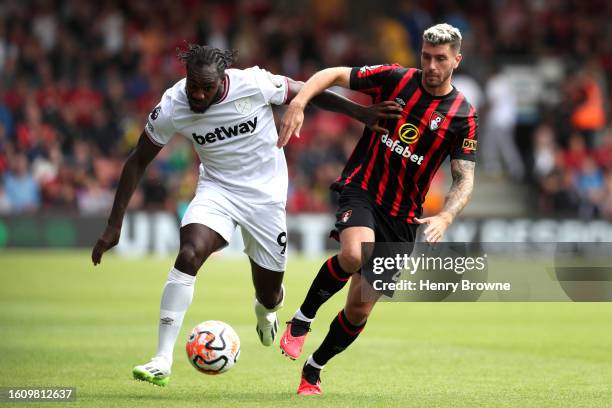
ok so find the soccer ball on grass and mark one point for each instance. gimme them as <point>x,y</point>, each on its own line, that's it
<point>213,347</point>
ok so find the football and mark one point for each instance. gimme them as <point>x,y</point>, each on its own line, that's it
<point>213,347</point>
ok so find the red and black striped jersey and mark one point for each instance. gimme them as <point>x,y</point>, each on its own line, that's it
<point>396,169</point>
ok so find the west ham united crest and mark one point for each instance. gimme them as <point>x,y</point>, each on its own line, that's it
<point>243,105</point>
<point>435,121</point>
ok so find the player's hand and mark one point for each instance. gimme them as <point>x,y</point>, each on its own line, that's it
<point>109,238</point>
<point>291,123</point>
<point>374,114</point>
<point>436,227</point>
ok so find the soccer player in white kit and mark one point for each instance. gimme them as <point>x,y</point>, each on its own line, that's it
<point>227,115</point>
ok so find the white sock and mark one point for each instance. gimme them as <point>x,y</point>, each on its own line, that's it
<point>311,362</point>
<point>300,316</point>
<point>176,298</point>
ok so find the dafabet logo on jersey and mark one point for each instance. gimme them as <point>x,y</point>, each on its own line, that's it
<point>407,135</point>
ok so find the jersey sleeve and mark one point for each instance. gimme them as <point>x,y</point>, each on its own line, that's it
<point>274,88</point>
<point>160,127</point>
<point>467,138</point>
<point>370,79</point>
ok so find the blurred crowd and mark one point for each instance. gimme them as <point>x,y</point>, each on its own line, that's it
<point>79,77</point>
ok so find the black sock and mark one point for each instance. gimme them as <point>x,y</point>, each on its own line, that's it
<point>341,334</point>
<point>299,327</point>
<point>330,279</point>
<point>311,374</point>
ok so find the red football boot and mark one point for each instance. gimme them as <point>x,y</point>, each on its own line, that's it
<point>310,383</point>
<point>294,337</point>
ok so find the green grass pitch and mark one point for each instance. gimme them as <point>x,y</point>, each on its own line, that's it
<point>65,323</point>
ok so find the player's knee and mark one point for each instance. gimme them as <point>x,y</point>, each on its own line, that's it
<point>350,258</point>
<point>189,259</point>
<point>357,314</point>
<point>268,302</point>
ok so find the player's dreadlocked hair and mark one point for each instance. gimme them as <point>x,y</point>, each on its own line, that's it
<point>199,55</point>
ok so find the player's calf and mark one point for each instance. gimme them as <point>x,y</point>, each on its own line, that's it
<point>267,321</point>
<point>356,311</point>
<point>330,279</point>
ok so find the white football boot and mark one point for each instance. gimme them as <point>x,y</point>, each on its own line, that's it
<point>156,371</point>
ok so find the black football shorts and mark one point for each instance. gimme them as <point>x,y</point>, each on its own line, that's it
<point>357,209</point>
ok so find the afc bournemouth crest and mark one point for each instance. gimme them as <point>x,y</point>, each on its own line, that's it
<point>435,121</point>
<point>243,105</point>
<point>346,215</point>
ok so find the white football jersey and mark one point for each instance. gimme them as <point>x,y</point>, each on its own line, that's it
<point>235,138</point>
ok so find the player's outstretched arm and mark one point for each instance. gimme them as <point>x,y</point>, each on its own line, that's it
<point>368,115</point>
<point>456,200</point>
<point>132,172</point>
<point>294,116</point>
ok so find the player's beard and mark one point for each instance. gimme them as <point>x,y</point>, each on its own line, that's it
<point>197,108</point>
<point>437,80</point>
<point>201,108</point>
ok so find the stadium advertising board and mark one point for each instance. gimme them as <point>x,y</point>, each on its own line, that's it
<point>157,233</point>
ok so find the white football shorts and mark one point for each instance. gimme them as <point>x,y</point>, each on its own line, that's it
<point>263,226</point>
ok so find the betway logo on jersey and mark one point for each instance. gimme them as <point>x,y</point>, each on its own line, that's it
<point>222,133</point>
<point>397,147</point>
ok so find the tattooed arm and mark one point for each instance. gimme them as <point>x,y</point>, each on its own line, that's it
<point>456,199</point>
<point>461,189</point>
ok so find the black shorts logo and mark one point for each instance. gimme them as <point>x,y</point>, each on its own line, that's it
<point>345,216</point>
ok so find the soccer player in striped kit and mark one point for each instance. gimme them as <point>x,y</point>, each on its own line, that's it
<point>385,180</point>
